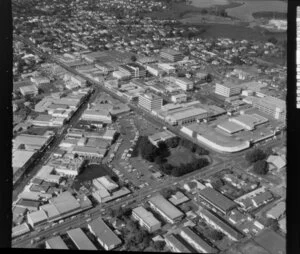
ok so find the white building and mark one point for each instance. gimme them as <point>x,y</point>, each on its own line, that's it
<point>146,219</point>
<point>150,101</point>
<point>178,98</point>
<point>227,90</point>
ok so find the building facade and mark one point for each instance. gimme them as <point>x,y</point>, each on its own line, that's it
<point>150,101</point>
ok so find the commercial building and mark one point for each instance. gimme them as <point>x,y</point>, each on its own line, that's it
<point>186,116</point>
<point>271,106</point>
<point>89,152</point>
<point>230,127</point>
<point>220,224</point>
<point>105,236</point>
<point>168,211</point>
<point>67,166</point>
<point>176,244</point>
<point>196,241</point>
<point>109,134</point>
<point>121,75</point>
<point>80,239</point>
<point>150,101</point>
<point>249,122</point>
<point>155,70</point>
<point>135,70</point>
<point>161,136</point>
<point>30,142</point>
<point>36,218</point>
<point>171,55</point>
<point>184,83</point>
<point>97,115</point>
<point>146,219</point>
<point>31,205</point>
<point>227,90</point>
<point>56,243</point>
<point>20,230</point>
<point>21,159</point>
<point>169,69</point>
<point>217,200</point>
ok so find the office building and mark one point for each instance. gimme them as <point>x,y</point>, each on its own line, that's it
<point>186,116</point>
<point>135,70</point>
<point>171,55</point>
<point>168,211</point>
<point>227,90</point>
<point>150,101</point>
<point>178,98</point>
<point>271,106</point>
<point>105,236</point>
<point>146,219</point>
<point>97,115</point>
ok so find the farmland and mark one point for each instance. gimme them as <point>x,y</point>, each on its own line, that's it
<point>244,11</point>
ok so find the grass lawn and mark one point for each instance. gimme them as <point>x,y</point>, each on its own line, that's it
<point>180,155</point>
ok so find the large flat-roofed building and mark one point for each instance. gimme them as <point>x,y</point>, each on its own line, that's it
<point>196,241</point>
<point>217,200</point>
<point>135,69</point>
<point>31,142</point>
<point>230,127</point>
<point>80,239</point>
<point>108,184</point>
<point>184,83</point>
<point>65,203</point>
<point>21,158</point>
<point>150,101</point>
<point>220,224</point>
<point>178,98</point>
<point>227,90</point>
<point>186,116</point>
<point>29,90</point>
<point>89,152</point>
<point>249,122</point>
<point>171,55</point>
<point>56,243</point>
<point>146,219</point>
<point>67,166</point>
<point>97,115</point>
<point>105,236</point>
<point>176,244</point>
<point>271,106</point>
<point>155,70</point>
<point>168,211</point>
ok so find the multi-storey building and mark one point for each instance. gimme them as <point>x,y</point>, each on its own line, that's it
<point>150,101</point>
<point>227,90</point>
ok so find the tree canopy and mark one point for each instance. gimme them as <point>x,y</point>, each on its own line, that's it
<point>255,155</point>
<point>260,167</point>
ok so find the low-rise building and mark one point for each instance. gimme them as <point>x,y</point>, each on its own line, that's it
<point>20,230</point>
<point>178,198</point>
<point>168,211</point>
<point>146,219</point>
<point>227,90</point>
<point>29,90</point>
<point>36,218</point>
<point>178,98</point>
<point>56,243</point>
<point>80,239</point>
<point>176,244</point>
<point>161,136</point>
<point>196,241</point>
<point>105,236</point>
<point>277,211</point>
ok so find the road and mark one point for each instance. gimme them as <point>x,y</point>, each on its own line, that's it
<point>80,220</point>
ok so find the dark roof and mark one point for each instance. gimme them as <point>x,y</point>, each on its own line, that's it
<point>28,203</point>
<point>217,199</point>
<point>37,181</point>
<point>179,243</point>
<point>221,223</point>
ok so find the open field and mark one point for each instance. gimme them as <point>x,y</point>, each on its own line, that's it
<point>180,155</point>
<point>244,12</point>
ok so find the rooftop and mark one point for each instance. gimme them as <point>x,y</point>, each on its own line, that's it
<point>146,216</point>
<point>57,243</point>
<point>164,205</point>
<point>80,239</point>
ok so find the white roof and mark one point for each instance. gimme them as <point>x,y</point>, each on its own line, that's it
<point>20,229</point>
<point>37,216</point>
<point>20,157</point>
<point>278,161</point>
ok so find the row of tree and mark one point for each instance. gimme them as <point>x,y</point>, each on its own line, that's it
<point>257,158</point>
<point>183,169</point>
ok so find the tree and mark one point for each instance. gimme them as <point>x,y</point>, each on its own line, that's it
<point>272,224</point>
<point>110,212</point>
<point>260,167</point>
<point>133,58</point>
<point>172,142</point>
<point>273,40</point>
<point>255,155</point>
<point>215,235</point>
<point>159,245</point>
<point>204,11</point>
<point>185,207</point>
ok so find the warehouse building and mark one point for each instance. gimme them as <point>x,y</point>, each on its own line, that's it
<point>227,90</point>
<point>186,116</point>
<point>29,90</point>
<point>220,224</point>
<point>168,211</point>
<point>196,241</point>
<point>176,244</point>
<point>80,239</point>
<point>277,211</point>
<point>150,101</point>
<point>36,218</point>
<point>217,200</point>
<point>146,219</point>
<point>56,243</point>
<point>105,236</point>
<point>107,183</point>
<point>97,115</point>
<point>249,122</point>
<point>230,127</point>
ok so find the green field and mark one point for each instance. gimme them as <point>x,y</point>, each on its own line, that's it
<point>180,155</point>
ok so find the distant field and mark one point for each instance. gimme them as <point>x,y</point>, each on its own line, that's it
<point>244,12</point>
<point>180,155</point>
<point>208,3</point>
<point>270,15</point>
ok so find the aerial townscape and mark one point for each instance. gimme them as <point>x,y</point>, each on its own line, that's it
<point>149,125</point>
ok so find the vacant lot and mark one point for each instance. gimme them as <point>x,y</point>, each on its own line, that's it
<point>180,155</point>
<point>244,12</point>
